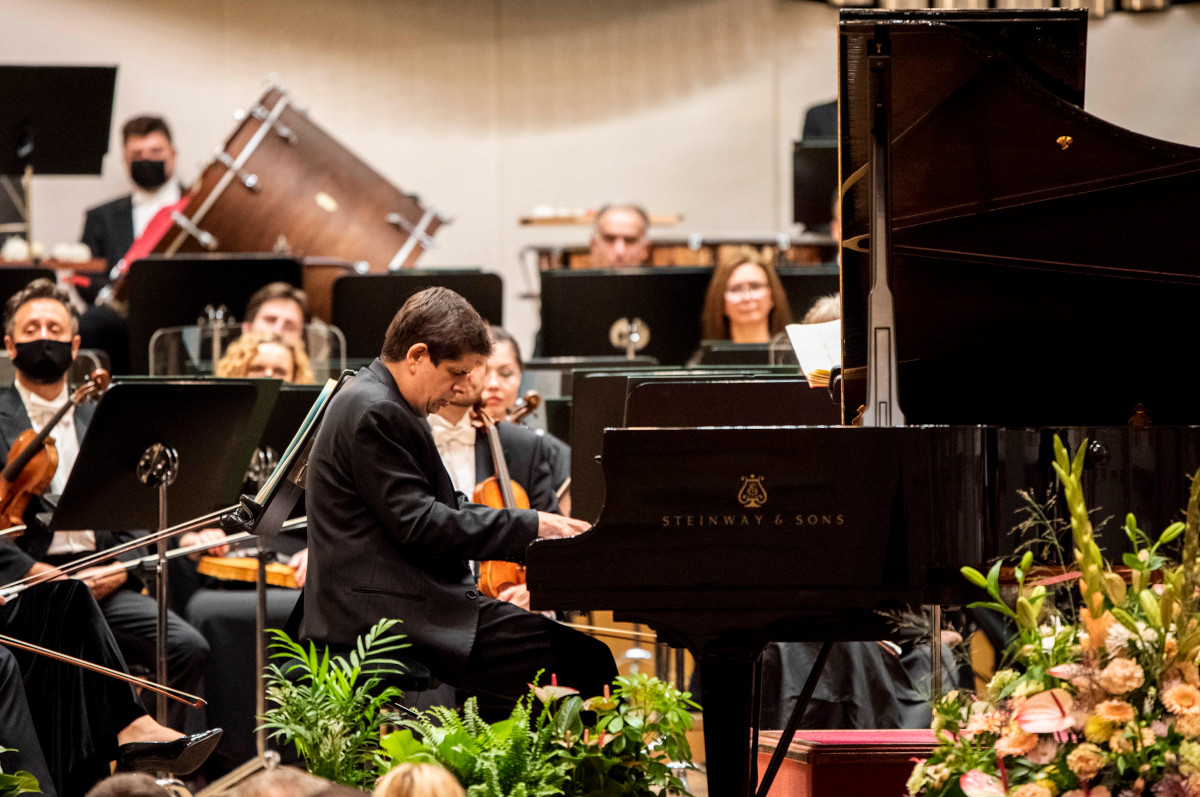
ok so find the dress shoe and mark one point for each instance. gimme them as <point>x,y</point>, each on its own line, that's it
<point>181,756</point>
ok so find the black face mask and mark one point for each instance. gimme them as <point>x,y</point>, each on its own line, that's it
<point>43,361</point>
<point>148,174</point>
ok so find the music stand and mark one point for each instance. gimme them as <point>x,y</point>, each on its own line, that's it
<point>14,278</point>
<point>364,305</point>
<point>192,436</point>
<point>263,515</point>
<point>173,291</point>
<point>54,120</point>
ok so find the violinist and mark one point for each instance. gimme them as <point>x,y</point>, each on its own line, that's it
<point>501,387</point>
<point>389,536</point>
<point>467,455</point>
<point>41,335</point>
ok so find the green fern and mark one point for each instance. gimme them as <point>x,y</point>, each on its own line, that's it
<point>331,708</point>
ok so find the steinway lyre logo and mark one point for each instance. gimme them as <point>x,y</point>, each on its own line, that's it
<point>753,494</point>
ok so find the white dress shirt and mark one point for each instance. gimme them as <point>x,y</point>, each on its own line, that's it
<point>148,203</point>
<point>40,413</point>
<point>456,443</point>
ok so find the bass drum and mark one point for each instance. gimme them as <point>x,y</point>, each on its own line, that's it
<point>281,184</point>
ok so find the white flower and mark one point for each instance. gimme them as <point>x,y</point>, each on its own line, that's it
<point>1117,639</point>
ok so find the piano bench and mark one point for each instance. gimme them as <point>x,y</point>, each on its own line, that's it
<point>844,763</point>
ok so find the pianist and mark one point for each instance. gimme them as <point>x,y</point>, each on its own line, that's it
<point>390,537</point>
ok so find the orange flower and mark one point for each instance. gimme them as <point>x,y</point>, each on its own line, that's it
<point>1121,676</point>
<point>1115,711</point>
<point>1188,725</point>
<point>1085,761</point>
<point>1015,742</point>
<point>1182,699</point>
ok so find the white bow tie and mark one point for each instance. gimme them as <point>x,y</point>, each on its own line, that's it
<point>40,411</point>
<point>445,436</point>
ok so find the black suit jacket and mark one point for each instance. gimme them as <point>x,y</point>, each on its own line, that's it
<point>17,556</point>
<point>528,463</point>
<point>108,232</point>
<point>388,536</point>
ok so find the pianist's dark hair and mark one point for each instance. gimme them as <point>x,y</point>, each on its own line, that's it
<point>443,321</point>
<point>38,289</point>
<point>714,323</point>
<point>143,126</point>
<point>499,336</point>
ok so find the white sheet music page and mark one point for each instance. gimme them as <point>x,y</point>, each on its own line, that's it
<point>818,347</point>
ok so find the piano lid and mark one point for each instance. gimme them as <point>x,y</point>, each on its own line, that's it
<point>1037,260</point>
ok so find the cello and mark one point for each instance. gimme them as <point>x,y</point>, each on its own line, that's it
<point>501,492</point>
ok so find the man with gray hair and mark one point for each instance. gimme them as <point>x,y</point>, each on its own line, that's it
<point>619,239</point>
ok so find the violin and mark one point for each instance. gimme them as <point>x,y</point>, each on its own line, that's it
<point>33,458</point>
<point>501,492</point>
<point>245,568</point>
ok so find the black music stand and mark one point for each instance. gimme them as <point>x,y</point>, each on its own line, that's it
<point>194,437</point>
<point>14,278</point>
<point>173,291</point>
<point>363,306</point>
<point>54,120</point>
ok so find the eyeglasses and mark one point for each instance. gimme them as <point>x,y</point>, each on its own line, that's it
<point>746,289</point>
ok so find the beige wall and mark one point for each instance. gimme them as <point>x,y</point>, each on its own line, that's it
<point>489,107</point>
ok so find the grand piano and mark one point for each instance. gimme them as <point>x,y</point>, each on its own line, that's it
<point>1012,268</point>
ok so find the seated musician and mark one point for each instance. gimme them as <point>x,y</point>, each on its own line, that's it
<point>389,537</point>
<point>745,302</point>
<point>110,229</point>
<point>65,724</point>
<point>620,237</point>
<point>41,336</point>
<point>261,355</point>
<point>277,308</point>
<point>501,388</point>
<point>824,309</point>
<point>467,455</point>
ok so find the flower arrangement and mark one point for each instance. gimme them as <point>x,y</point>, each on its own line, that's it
<point>1099,701</point>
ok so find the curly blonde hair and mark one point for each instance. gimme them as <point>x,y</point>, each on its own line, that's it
<point>239,355</point>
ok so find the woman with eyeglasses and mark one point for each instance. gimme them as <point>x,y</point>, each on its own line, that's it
<point>745,302</point>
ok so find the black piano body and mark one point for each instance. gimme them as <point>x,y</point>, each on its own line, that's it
<point>1039,287</point>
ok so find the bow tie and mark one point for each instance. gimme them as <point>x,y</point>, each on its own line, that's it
<point>40,411</point>
<point>445,436</point>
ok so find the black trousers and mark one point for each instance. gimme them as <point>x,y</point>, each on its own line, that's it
<point>133,618</point>
<point>16,727</point>
<point>76,713</point>
<point>512,645</point>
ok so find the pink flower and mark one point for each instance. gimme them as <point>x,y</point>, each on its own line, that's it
<point>1095,791</point>
<point>980,784</point>
<point>1046,712</point>
<point>548,694</point>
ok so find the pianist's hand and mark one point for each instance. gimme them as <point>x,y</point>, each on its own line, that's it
<point>550,526</point>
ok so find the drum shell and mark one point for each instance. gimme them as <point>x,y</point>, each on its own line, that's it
<point>312,197</point>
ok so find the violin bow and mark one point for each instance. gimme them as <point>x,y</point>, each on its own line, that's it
<point>174,694</point>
